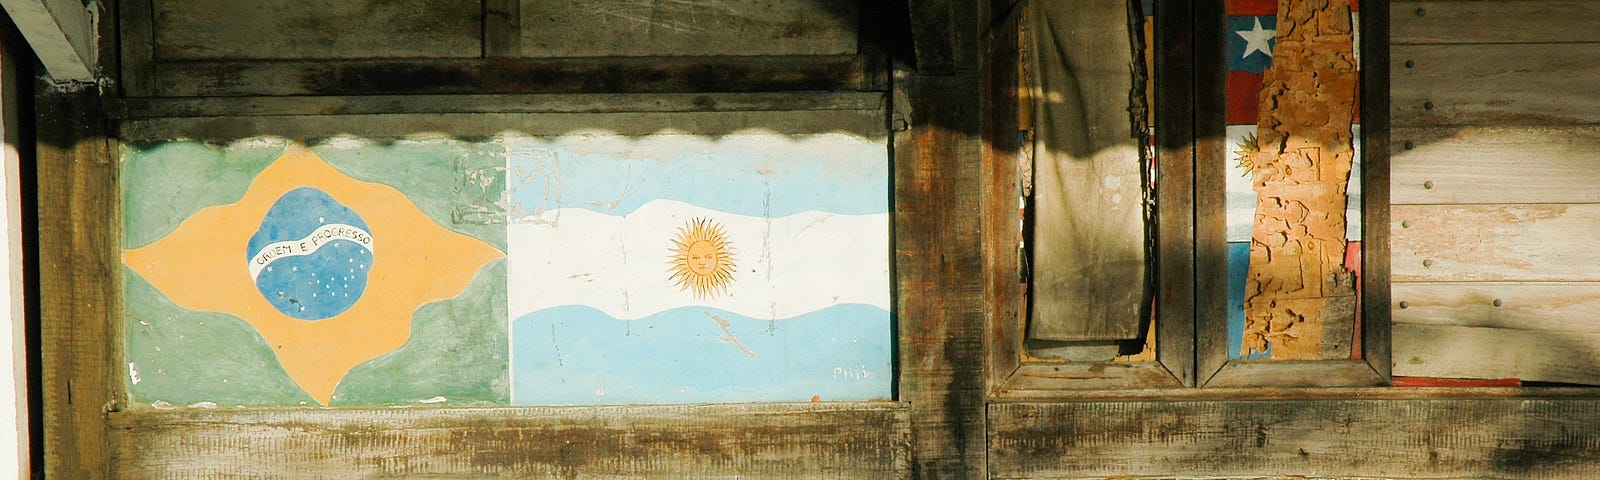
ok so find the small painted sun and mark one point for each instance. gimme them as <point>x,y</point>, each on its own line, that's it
<point>1249,148</point>
<point>702,262</point>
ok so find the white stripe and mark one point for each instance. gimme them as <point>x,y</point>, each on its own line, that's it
<point>621,264</point>
<point>307,245</point>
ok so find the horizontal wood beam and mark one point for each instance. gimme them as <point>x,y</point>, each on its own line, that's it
<point>1506,438</point>
<point>823,440</point>
<point>62,35</point>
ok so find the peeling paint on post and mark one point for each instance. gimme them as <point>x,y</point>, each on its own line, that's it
<point>1300,297</point>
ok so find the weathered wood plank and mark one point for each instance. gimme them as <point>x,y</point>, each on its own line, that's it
<point>79,302</point>
<point>1504,84</point>
<point>1525,243</point>
<point>634,28</point>
<point>862,122</point>
<point>1004,102</point>
<point>1174,108</point>
<point>943,33</point>
<point>317,29</point>
<point>502,28</point>
<point>1089,237</point>
<point>1504,438</point>
<point>1534,164</point>
<point>1280,373</point>
<point>1555,306</point>
<point>845,441</point>
<point>1032,380</point>
<point>1211,154</point>
<point>137,108</point>
<point>1540,21</point>
<point>938,260</point>
<point>1450,351</point>
<point>62,34</point>
<point>498,75</point>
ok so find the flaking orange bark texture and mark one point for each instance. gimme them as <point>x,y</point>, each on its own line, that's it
<point>1299,298</point>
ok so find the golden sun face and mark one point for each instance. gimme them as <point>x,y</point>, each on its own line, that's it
<point>701,261</point>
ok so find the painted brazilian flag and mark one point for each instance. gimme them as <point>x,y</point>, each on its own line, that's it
<point>268,273</point>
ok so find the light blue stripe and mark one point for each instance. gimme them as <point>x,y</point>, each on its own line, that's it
<point>569,355</point>
<point>744,181</point>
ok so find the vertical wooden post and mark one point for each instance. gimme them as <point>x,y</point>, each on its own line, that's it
<point>937,241</point>
<point>77,279</point>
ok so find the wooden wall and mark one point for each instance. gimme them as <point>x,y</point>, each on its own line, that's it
<point>1496,189</point>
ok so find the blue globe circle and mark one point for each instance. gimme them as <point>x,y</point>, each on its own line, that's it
<point>311,256</point>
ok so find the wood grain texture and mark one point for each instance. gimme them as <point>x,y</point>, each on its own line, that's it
<point>1548,306</point>
<point>635,28</point>
<point>316,29</point>
<point>868,123</point>
<point>1175,106</point>
<point>1499,84</point>
<point>79,304</point>
<point>135,108</point>
<point>1536,21</point>
<point>844,441</point>
<point>1376,180</point>
<point>1003,104</point>
<point>498,75</point>
<point>1451,351</point>
<point>1521,243</point>
<point>939,287</point>
<point>1506,438</point>
<point>1493,164</point>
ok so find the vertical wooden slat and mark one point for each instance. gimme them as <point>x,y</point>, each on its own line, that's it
<point>1375,295</point>
<point>77,262</point>
<point>1210,190</point>
<point>1174,109</point>
<point>1001,225</point>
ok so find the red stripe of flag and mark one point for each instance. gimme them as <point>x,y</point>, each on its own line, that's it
<point>1267,7</point>
<point>1252,7</point>
<point>1244,92</point>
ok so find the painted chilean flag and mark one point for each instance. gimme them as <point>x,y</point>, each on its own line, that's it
<point>683,268</point>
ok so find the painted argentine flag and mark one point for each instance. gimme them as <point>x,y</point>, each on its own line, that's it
<point>681,268</point>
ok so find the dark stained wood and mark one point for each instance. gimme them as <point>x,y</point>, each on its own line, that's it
<point>823,440</point>
<point>1454,351</point>
<point>1521,21</point>
<point>1039,379</point>
<point>140,108</point>
<point>1493,164</point>
<point>1089,237</point>
<point>943,34</point>
<point>939,287</point>
<point>316,29</point>
<point>1509,438</point>
<point>79,304</point>
<point>224,129</point>
<point>447,76</point>
<point>1512,243</point>
<point>664,28</point>
<point>136,42</point>
<point>1495,84</point>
